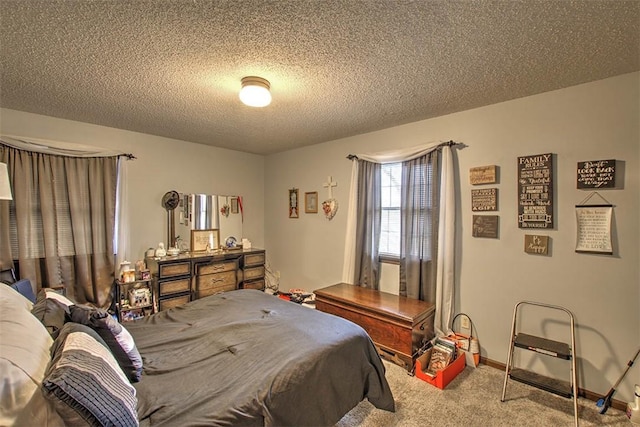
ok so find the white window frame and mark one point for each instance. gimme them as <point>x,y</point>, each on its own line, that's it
<point>391,184</point>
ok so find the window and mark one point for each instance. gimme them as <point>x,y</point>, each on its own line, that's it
<point>421,201</point>
<point>391,186</point>
<point>35,247</point>
<point>61,222</point>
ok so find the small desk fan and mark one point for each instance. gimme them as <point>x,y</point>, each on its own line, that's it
<point>170,202</point>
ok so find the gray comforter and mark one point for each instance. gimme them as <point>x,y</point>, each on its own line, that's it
<point>248,358</point>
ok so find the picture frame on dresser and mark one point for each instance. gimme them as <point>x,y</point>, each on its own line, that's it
<point>204,240</point>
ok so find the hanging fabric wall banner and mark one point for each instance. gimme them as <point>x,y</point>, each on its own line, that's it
<point>594,229</point>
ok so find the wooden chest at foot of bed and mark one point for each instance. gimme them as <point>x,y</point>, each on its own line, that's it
<point>397,325</point>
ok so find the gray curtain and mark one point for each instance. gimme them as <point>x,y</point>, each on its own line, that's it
<point>61,222</point>
<point>419,227</point>
<point>367,264</point>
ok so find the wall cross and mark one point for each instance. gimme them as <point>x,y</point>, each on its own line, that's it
<point>329,185</point>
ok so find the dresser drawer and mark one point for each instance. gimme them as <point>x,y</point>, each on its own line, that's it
<point>254,259</point>
<point>218,267</point>
<point>254,284</point>
<point>174,269</point>
<point>253,273</point>
<point>218,282</point>
<point>174,286</point>
<point>173,302</point>
<point>212,291</point>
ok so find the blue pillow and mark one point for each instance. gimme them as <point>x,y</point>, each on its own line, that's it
<point>24,287</point>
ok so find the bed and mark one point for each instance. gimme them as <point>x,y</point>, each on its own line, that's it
<point>238,358</point>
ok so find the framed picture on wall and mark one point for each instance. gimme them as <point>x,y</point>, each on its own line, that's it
<point>293,203</point>
<point>311,202</point>
<point>203,240</point>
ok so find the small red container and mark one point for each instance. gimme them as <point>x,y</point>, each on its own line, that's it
<point>443,377</point>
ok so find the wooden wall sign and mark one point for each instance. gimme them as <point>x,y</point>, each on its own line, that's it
<point>535,191</point>
<point>485,226</point>
<point>482,175</point>
<point>485,199</point>
<point>596,174</point>
<point>534,244</point>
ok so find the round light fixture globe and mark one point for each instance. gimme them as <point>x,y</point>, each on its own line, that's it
<point>255,91</point>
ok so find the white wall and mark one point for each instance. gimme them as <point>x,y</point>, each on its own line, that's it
<point>594,121</point>
<point>162,164</point>
<point>599,120</point>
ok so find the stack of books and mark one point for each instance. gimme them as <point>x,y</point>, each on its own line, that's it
<point>443,353</point>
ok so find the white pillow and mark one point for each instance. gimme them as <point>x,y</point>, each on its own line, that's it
<point>51,294</point>
<point>9,296</point>
<point>24,354</point>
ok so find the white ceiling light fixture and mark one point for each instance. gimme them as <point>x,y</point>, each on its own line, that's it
<point>255,91</point>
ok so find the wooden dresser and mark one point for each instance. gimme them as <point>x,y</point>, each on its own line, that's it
<point>397,325</point>
<point>186,277</point>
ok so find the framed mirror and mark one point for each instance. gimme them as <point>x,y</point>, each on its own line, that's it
<point>209,212</point>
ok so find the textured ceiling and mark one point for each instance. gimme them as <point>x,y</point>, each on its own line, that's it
<point>337,68</point>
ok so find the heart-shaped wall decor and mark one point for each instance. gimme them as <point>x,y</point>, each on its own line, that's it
<point>330,207</point>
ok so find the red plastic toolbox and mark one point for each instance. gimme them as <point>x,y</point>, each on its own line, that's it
<point>443,377</point>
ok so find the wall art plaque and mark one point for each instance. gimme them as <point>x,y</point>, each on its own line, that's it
<point>485,226</point>
<point>596,174</point>
<point>484,199</point>
<point>535,191</point>
<point>534,244</point>
<point>482,175</point>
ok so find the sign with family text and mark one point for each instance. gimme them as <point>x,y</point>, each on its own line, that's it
<point>535,191</point>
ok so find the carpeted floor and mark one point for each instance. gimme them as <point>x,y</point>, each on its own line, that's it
<point>473,399</point>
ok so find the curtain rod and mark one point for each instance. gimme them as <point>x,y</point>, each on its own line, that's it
<point>59,148</point>
<point>450,143</point>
